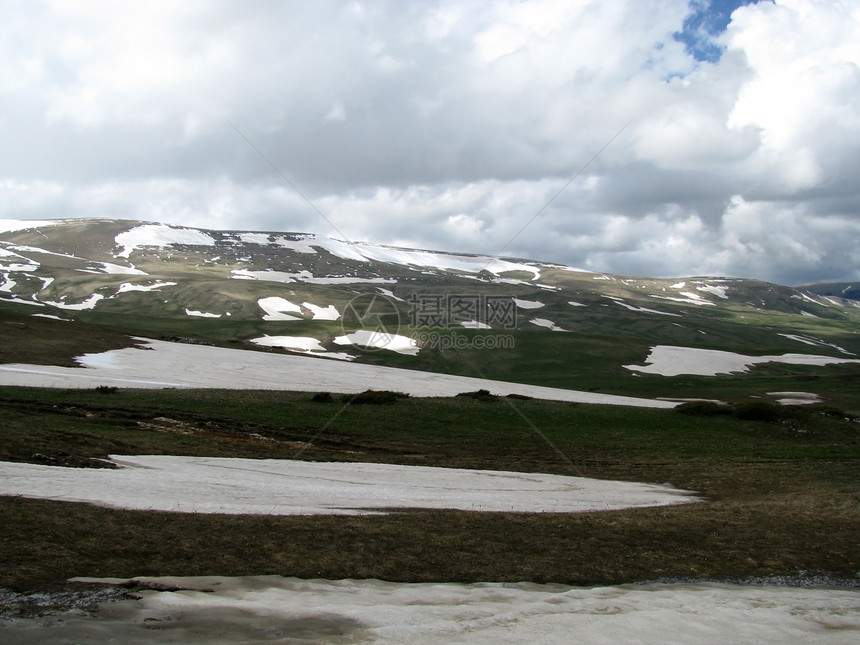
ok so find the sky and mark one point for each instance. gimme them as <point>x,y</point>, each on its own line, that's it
<point>660,138</point>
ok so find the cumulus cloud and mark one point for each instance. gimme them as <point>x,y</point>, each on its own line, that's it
<point>452,124</point>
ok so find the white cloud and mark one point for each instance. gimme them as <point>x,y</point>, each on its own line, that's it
<point>450,125</point>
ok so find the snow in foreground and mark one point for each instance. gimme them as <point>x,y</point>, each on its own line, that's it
<point>289,487</point>
<point>198,366</point>
<point>275,609</point>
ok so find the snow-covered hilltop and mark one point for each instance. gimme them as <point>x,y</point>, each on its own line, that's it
<point>303,287</point>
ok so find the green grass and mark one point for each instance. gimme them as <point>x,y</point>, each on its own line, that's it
<point>782,496</point>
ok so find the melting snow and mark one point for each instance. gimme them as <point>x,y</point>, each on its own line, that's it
<point>379,340</point>
<point>363,252</point>
<point>198,366</point>
<point>809,340</point>
<point>322,313</point>
<point>232,610</point>
<point>15,266</point>
<point>12,225</point>
<point>269,276</point>
<point>299,246</point>
<point>576,304</point>
<point>8,284</point>
<point>389,293</point>
<point>128,286</point>
<point>201,314</point>
<point>119,269</point>
<point>289,487</point>
<point>301,344</point>
<point>528,304</point>
<point>619,301</point>
<point>689,298</point>
<point>276,308</point>
<point>717,291</point>
<point>89,303</point>
<point>543,322</point>
<point>475,324</point>
<point>305,276</point>
<point>345,279</point>
<point>669,360</point>
<point>796,398</point>
<point>159,235</point>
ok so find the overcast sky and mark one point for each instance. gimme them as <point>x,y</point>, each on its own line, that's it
<point>728,134</point>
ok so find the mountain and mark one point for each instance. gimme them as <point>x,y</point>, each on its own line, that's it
<point>840,290</point>
<point>504,318</point>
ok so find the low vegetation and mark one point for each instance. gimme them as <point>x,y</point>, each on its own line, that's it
<point>782,495</point>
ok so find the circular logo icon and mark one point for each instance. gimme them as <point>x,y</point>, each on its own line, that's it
<point>370,321</point>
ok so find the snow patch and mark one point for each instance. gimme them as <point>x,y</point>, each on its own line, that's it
<point>232,610</point>
<point>322,313</point>
<point>201,314</point>
<point>364,252</point>
<point>619,301</point>
<point>720,292</point>
<point>298,245</point>
<point>8,283</point>
<point>811,340</point>
<point>528,304</point>
<point>690,298</point>
<point>796,398</point>
<point>198,366</point>
<point>12,225</point>
<point>159,235</point>
<point>300,344</point>
<point>543,322</point>
<point>269,276</point>
<point>278,308</point>
<point>380,340</point>
<point>288,487</point>
<point>156,286</point>
<point>668,360</point>
<point>389,294</point>
<point>89,303</point>
<point>475,324</point>
<point>119,269</point>
<point>305,276</point>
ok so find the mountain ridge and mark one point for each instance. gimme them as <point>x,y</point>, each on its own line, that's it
<point>504,318</point>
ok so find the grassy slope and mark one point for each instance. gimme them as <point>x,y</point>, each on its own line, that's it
<point>575,361</point>
<point>782,496</point>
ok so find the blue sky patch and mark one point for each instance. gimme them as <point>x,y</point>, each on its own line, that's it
<point>707,20</point>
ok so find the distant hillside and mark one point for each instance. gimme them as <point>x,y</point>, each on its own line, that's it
<point>841,290</point>
<point>504,318</point>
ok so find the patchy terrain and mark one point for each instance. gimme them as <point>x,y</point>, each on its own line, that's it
<point>543,380</point>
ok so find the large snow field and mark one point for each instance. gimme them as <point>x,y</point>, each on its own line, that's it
<point>290,610</point>
<point>198,366</point>
<point>290,487</point>
<point>668,360</point>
